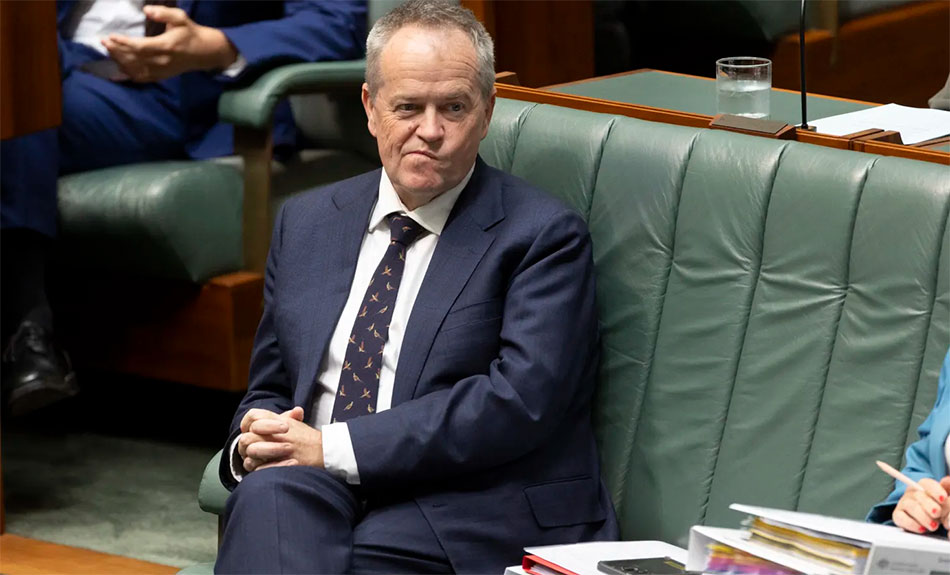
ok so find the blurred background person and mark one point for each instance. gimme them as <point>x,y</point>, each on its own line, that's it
<point>140,82</point>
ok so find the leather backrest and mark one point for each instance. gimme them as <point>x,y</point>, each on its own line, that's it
<point>774,314</point>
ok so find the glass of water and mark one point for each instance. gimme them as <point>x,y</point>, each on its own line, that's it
<point>743,86</point>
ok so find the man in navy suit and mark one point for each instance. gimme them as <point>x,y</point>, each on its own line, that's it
<point>130,97</point>
<point>420,387</point>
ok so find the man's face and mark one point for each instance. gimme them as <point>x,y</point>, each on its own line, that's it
<point>428,115</point>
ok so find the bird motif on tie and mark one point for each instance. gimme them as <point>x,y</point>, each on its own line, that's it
<point>375,315</point>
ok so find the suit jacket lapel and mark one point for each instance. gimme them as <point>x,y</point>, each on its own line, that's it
<point>339,238</point>
<point>461,246</point>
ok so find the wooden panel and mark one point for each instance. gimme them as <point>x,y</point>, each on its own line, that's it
<point>30,94</point>
<point>484,10</point>
<point>200,335</point>
<point>3,505</point>
<point>543,41</point>
<point>22,556</point>
<point>900,55</point>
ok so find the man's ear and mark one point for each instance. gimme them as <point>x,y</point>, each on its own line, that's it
<point>489,110</point>
<point>368,107</point>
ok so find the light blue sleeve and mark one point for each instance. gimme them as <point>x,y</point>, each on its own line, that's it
<point>917,460</point>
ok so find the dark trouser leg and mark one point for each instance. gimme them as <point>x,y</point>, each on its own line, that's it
<point>28,220</point>
<point>397,539</point>
<point>35,372</point>
<point>23,256</point>
<point>288,520</point>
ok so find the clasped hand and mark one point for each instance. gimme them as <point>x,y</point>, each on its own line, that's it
<point>923,510</point>
<point>269,439</point>
<point>184,47</point>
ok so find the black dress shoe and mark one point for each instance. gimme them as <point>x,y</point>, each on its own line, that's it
<point>36,371</point>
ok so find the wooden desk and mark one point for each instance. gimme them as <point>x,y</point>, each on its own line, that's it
<point>694,116</point>
<point>696,94</point>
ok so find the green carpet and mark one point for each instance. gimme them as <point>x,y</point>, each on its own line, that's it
<point>117,470</point>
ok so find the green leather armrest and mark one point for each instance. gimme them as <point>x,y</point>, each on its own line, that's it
<point>211,493</point>
<point>253,106</point>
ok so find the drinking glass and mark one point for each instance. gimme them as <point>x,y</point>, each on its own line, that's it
<point>743,86</point>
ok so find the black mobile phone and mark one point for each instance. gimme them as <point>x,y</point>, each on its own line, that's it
<point>647,566</point>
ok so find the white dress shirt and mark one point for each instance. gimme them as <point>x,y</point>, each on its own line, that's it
<point>338,455</point>
<point>92,20</point>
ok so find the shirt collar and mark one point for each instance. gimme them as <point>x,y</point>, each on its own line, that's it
<point>431,216</point>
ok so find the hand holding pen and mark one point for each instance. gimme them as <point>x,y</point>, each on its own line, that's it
<point>924,505</point>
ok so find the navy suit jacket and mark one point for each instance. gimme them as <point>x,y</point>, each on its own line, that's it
<point>489,429</point>
<point>266,33</point>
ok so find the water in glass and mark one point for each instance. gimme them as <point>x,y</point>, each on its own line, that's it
<point>749,98</point>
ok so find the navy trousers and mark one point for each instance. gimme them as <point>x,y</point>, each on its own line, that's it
<point>304,520</point>
<point>104,124</point>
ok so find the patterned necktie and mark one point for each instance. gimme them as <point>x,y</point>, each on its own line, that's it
<point>359,380</point>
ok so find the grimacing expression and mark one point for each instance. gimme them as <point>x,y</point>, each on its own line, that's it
<point>428,115</point>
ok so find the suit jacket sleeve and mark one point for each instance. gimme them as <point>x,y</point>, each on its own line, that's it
<point>269,387</point>
<point>543,371</point>
<point>918,464</point>
<point>310,31</point>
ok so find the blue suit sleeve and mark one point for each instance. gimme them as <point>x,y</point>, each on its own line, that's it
<point>918,464</point>
<point>310,31</point>
<point>269,386</point>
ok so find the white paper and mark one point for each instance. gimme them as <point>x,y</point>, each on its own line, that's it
<point>582,558</point>
<point>738,539</point>
<point>870,532</point>
<point>914,124</point>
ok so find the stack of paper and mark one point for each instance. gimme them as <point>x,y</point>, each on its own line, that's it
<point>726,559</point>
<point>914,124</point>
<point>838,553</point>
<point>793,542</point>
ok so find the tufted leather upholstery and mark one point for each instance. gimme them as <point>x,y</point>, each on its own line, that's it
<point>172,220</point>
<point>773,314</point>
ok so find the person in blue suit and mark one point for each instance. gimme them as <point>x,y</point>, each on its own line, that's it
<point>132,97</point>
<point>927,510</point>
<point>421,380</point>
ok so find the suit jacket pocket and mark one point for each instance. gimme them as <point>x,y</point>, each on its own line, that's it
<point>474,313</point>
<point>566,502</point>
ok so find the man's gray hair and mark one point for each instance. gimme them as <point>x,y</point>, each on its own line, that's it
<point>434,15</point>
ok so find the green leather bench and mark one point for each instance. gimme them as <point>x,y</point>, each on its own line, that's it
<point>774,314</point>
